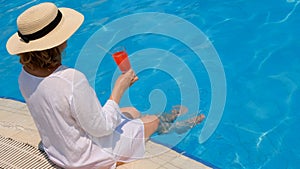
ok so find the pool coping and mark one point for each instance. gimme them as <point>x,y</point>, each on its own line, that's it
<point>16,123</point>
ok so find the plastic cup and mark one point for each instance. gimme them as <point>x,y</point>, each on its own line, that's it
<point>121,58</point>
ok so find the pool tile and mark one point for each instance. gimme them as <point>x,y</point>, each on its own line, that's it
<point>16,123</point>
<point>171,166</point>
<point>28,137</point>
<point>30,125</point>
<point>161,168</point>
<point>185,162</point>
<point>11,104</point>
<point>12,110</point>
<point>169,156</point>
<point>155,149</point>
<point>4,114</point>
<point>142,164</point>
<point>158,160</point>
<point>15,118</point>
<point>7,131</point>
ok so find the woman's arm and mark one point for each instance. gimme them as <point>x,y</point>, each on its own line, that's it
<point>86,109</point>
<point>123,82</point>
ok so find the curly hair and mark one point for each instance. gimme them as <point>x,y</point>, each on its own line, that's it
<point>41,59</point>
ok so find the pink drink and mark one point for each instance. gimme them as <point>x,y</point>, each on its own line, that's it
<point>121,59</point>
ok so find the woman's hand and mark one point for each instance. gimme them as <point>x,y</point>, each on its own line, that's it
<point>123,82</point>
<point>126,80</point>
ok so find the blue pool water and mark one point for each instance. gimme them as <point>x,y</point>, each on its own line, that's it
<point>258,46</point>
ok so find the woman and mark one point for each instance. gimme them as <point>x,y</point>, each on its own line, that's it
<point>76,131</point>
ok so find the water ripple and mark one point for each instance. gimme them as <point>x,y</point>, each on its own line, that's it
<point>21,6</point>
<point>287,16</point>
<point>291,84</point>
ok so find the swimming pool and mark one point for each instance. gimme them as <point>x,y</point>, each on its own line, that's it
<point>257,44</point>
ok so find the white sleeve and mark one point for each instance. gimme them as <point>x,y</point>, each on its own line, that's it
<point>96,120</point>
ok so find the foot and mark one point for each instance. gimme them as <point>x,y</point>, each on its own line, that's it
<point>197,120</point>
<point>175,112</point>
<point>184,126</point>
<point>172,116</point>
<point>179,110</point>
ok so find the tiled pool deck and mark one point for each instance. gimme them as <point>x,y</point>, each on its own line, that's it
<point>16,123</point>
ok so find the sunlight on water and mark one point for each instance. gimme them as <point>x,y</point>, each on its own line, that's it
<point>258,45</point>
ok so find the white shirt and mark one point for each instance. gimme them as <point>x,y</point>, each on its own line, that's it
<point>68,115</point>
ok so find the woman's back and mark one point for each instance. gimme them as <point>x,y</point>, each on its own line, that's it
<point>49,100</point>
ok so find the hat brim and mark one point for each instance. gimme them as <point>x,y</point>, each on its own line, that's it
<point>70,22</point>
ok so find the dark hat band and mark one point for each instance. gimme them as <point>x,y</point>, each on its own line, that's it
<point>41,33</point>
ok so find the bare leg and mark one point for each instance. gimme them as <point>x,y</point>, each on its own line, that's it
<point>184,126</point>
<point>130,112</point>
<point>151,123</point>
<point>179,127</point>
<point>172,116</point>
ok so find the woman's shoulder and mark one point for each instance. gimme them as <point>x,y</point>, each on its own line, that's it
<point>69,73</point>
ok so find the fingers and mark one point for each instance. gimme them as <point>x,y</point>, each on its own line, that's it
<point>134,80</point>
<point>200,118</point>
<point>130,74</point>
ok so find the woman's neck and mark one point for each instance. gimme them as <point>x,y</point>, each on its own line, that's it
<point>40,72</point>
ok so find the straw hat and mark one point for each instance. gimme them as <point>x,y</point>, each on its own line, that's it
<point>42,27</point>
